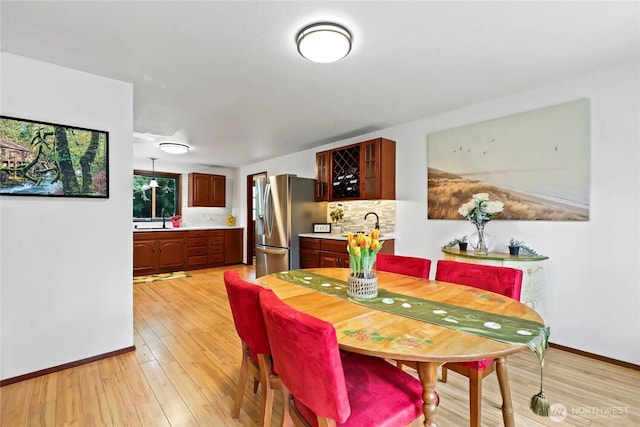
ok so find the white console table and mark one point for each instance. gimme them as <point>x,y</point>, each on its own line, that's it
<point>533,280</point>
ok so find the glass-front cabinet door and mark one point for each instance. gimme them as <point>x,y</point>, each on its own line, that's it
<point>370,168</point>
<point>323,160</point>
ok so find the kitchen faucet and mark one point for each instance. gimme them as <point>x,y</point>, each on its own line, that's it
<point>163,211</point>
<point>377,219</point>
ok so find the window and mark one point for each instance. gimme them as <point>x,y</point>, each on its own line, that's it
<point>148,202</point>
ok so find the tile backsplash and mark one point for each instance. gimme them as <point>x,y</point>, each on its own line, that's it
<point>199,216</point>
<point>354,213</point>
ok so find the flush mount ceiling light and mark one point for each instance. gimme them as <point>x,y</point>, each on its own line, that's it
<point>324,42</point>
<point>173,147</point>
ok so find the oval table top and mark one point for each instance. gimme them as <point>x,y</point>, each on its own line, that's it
<point>378,333</point>
<point>375,332</point>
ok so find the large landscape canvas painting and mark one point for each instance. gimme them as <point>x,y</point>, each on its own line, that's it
<point>48,159</point>
<point>536,163</point>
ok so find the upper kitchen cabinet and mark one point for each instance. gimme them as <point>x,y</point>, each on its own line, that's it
<point>207,190</point>
<point>363,171</point>
<point>323,168</point>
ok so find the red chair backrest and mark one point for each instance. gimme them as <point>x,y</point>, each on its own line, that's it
<point>411,266</point>
<point>306,357</point>
<point>247,315</point>
<point>502,280</point>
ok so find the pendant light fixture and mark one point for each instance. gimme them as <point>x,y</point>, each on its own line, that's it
<point>174,147</point>
<point>324,42</point>
<point>153,183</point>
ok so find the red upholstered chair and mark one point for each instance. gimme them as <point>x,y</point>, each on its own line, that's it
<point>323,386</point>
<point>256,352</point>
<point>411,266</point>
<point>502,280</point>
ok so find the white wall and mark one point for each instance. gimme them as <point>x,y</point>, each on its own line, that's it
<point>593,274</point>
<point>65,279</point>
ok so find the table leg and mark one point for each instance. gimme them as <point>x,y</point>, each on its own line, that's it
<point>503,382</point>
<point>428,373</point>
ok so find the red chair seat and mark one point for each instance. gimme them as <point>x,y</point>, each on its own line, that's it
<point>478,365</point>
<point>364,374</point>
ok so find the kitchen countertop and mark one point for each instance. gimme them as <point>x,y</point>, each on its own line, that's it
<point>188,228</point>
<point>340,236</point>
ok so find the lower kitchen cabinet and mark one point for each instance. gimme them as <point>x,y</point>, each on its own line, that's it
<point>196,249</point>
<point>158,252</point>
<point>167,251</point>
<point>233,246</point>
<point>217,242</point>
<point>315,253</point>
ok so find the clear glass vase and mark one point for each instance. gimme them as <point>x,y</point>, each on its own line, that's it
<point>480,241</point>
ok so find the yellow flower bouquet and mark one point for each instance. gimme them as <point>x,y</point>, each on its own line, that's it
<point>362,253</point>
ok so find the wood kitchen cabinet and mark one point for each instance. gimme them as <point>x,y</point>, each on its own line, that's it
<point>310,252</point>
<point>323,169</point>
<point>363,171</point>
<point>214,248</point>
<point>168,251</point>
<point>216,242</point>
<point>206,190</point>
<point>197,242</point>
<point>233,247</point>
<point>162,252</point>
<point>315,253</point>
<point>333,253</point>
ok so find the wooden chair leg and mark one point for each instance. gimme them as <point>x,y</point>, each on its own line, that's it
<point>266,392</point>
<point>443,374</point>
<point>242,383</point>
<point>256,384</point>
<point>287,421</point>
<point>475,398</point>
<point>505,391</point>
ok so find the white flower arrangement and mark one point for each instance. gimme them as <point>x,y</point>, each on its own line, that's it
<point>480,209</point>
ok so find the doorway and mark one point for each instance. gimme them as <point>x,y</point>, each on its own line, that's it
<point>251,216</point>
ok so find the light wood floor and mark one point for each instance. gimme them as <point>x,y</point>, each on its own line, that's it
<point>184,373</point>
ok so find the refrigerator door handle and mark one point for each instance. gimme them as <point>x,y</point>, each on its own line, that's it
<point>273,251</point>
<point>268,210</point>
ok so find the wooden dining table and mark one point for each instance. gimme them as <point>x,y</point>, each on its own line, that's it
<point>365,330</point>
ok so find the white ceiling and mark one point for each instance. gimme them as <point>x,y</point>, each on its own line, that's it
<point>226,78</point>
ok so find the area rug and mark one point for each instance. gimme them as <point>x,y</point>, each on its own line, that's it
<point>161,276</point>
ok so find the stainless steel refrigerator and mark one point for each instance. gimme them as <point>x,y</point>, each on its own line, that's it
<point>285,207</point>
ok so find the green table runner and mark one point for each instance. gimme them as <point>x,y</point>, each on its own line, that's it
<point>495,326</point>
<point>489,325</point>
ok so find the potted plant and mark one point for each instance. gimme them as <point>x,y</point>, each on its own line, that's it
<point>176,220</point>
<point>518,247</point>
<point>362,281</point>
<point>514,246</point>
<point>460,242</point>
<point>336,216</point>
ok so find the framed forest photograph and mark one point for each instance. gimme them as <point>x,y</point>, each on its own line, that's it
<point>49,159</point>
